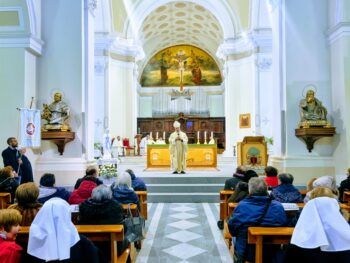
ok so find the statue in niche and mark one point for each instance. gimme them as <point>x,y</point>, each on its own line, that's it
<point>312,112</point>
<point>56,114</point>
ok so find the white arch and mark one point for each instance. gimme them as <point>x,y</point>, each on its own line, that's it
<point>228,20</point>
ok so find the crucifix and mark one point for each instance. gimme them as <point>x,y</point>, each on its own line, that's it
<point>98,122</point>
<point>181,60</point>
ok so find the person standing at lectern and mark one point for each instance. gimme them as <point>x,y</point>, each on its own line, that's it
<point>178,149</point>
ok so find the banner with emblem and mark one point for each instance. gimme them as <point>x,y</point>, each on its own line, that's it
<point>30,131</point>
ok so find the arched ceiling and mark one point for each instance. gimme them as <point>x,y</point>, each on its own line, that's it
<point>180,23</point>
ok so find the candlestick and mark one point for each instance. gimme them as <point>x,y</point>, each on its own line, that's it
<point>150,136</point>
<point>198,138</point>
<point>212,135</point>
<point>164,135</point>
<point>157,136</point>
<point>205,137</point>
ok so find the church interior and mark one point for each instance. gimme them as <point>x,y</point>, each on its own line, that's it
<point>175,131</point>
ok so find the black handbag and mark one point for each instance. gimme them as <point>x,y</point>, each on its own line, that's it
<point>135,226</point>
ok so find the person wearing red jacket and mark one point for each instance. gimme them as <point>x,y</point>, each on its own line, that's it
<point>83,192</point>
<point>10,252</point>
<point>271,176</point>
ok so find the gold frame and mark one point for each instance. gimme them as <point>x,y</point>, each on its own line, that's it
<point>241,120</point>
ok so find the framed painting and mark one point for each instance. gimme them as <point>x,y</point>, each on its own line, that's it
<point>244,121</point>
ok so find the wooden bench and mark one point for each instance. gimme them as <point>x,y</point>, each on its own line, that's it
<point>111,233</point>
<point>5,199</point>
<point>224,196</point>
<point>268,235</point>
<point>143,203</point>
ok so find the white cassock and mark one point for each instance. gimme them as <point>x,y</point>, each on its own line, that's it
<point>119,145</point>
<point>143,146</point>
<point>178,151</point>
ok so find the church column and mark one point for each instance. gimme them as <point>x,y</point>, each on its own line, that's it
<point>239,89</point>
<point>339,42</point>
<point>118,79</point>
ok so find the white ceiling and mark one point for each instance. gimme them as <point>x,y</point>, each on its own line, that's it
<point>180,23</point>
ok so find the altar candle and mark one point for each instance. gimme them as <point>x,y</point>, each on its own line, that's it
<point>212,135</point>
<point>198,135</point>
<point>157,136</point>
<point>150,135</point>
<point>205,135</point>
<point>164,135</point>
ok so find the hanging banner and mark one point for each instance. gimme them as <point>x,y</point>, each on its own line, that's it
<point>30,131</point>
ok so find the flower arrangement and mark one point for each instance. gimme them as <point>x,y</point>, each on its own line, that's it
<point>108,171</point>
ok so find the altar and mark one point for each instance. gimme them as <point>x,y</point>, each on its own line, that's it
<point>198,155</point>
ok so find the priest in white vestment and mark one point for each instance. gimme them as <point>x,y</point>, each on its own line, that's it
<point>119,145</point>
<point>178,149</point>
<point>143,145</point>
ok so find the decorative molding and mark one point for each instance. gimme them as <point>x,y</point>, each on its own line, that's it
<point>31,43</point>
<point>236,46</point>
<point>262,39</point>
<point>264,63</point>
<point>60,164</point>
<point>302,161</point>
<point>91,5</point>
<point>20,27</point>
<point>339,31</point>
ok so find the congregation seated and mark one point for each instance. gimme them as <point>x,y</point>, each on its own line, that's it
<point>137,183</point>
<point>47,189</point>
<point>241,192</point>
<point>54,238</point>
<point>271,176</point>
<point>9,181</point>
<point>10,220</point>
<point>122,190</point>
<point>83,192</point>
<point>26,202</point>
<point>255,210</point>
<point>323,181</point>
<point>344,186</point>
<point>91,171</point>
<point>327,238</point>
<point>102,209</point>
<point>238,176</point>
<point>286,192</point>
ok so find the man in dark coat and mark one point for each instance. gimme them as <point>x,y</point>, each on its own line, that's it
<point>255,210</point>
<point>238,176</point>
<point>17,160</point>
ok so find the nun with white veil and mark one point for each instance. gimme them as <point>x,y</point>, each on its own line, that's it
<point>321,235</point>
<point>54,238</point>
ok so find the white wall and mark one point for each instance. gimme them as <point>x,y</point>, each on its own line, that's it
<point>145,107</point>
<point>60,67</point>
<point>306,62</point>
<point>216,105</point>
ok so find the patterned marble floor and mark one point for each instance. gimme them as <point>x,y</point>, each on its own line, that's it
<point>185,232</point>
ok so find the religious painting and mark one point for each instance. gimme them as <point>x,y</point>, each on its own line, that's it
<point>244,121</point>
<point>181,65</point>
<point>252,152</point>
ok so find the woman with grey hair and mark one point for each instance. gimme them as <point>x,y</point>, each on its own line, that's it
<point>102,209</point>
<point>122,190</point>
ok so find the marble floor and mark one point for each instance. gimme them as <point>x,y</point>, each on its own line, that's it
<point>183,232</point>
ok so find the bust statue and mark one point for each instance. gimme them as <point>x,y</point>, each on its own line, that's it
<point>56,114</point>
<point>312,112</point>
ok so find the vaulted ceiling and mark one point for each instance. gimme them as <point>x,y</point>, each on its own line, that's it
<point>180,23</point>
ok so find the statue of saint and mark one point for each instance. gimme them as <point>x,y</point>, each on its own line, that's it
<point>107,145</point>
<point>312,113</point>
<point>56,114</point>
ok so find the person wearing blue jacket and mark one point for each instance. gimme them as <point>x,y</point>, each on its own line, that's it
<point>255,210</point>
<point>137,183</point>
<point>286,192</point>
<point>122,190</point>
<point>47,190</point>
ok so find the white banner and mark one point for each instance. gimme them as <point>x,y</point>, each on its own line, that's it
<point>30,128</point>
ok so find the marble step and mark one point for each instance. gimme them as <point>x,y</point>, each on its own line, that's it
<point>181,179</point>
<point>185,188</point>
<point>183,197</point>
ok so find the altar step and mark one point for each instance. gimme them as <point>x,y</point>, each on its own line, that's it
<point>184,188</point>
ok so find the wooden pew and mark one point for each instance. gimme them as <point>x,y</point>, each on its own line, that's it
<point>143,203</point>
<point>224,196</point>
<point>5,199</point>
<point>268,235</point>
<point>111,233</point>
